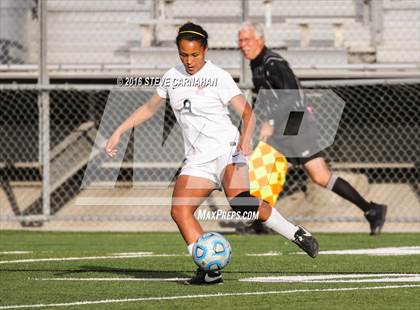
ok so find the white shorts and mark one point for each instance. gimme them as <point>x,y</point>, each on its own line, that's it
<point>213,170</point>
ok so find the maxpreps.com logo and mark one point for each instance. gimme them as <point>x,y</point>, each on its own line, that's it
<point>226,215</point>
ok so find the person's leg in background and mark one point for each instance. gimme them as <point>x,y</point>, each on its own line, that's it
<point>320,173</point>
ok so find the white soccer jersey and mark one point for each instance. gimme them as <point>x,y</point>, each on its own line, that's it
<point>199,102</point>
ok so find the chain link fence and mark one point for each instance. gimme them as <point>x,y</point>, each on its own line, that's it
<point>376,149</point>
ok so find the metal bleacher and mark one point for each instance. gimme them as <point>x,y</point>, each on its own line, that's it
<point>285,32</point>
<point>398,15</point>
<point>128,35</point>
<point>97,32</point>
<point>96,35</point>
<point>92,32</point>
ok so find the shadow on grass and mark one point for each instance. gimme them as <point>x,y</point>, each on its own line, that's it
<point>157,274</point>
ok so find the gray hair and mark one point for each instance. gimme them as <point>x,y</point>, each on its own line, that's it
<point>259,30</point>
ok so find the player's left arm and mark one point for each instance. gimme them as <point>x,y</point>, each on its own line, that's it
<point>243,108</point>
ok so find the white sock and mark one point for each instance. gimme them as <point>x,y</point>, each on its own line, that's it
<point>190,248</point>
<point>280,225</point>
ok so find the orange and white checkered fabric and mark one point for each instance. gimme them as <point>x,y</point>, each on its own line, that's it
<point>267,172</point>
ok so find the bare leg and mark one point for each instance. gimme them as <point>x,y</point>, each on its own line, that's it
<point>321,175</point>
<point>318,171</point>
<point>235,181</point>
<point>185,200</point>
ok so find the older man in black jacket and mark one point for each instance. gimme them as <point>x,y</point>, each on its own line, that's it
<point>272,72</point>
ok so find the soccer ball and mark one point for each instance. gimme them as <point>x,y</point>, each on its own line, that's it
<point>212,251</point>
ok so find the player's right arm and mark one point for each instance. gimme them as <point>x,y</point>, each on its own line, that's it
<point>139,116</point>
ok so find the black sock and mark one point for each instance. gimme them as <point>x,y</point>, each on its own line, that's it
<point>344,189</point>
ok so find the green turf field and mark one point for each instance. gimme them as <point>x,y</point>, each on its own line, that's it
<point>137,279</point>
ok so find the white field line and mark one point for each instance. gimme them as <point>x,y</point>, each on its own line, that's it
<point>16,252</point>
<point>405,278</point>
<point>112,279</point>
<point>160,298</point>
<point>326,277</point>
<point>408,250</point>
<point>378,251</point>
<point>59,259</point>
<point>132,253</point>
<point>272,253</point>
<point>380,280</point>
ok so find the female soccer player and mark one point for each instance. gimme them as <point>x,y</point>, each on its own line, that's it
<point>215,151</point>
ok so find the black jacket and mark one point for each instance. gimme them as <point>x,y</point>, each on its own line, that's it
<point>271,71</point>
